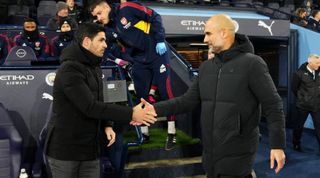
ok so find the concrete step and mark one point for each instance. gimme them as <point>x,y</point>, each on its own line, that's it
<point>197,176</point>
<point>168,168</point>
<point>163,163</point>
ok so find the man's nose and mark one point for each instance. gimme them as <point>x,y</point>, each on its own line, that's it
<point>205,40</point>
<point>99,18</point>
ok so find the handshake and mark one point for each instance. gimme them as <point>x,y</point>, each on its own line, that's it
<point>143,113</point>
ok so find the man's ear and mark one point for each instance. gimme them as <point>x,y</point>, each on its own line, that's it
<point>224,33</point>
<point>86,42</point>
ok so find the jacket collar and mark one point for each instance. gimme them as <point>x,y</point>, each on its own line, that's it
<point>240,45</point>
<point>75,52</point>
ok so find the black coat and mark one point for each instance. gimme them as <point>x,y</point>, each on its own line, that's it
<point>306,88</point>
<point>78,107</point>
<point>313,24</point>
<point>231,89</point>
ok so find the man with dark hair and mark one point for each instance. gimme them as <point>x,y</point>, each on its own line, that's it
<point>232,88</point>
<point>32,38</point>
<point>5,47</point>
<point>79,113</point>
<point>314,21</point>
<point>140,30</point>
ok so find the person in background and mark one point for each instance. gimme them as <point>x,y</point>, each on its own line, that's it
<point>31,37</point>
<point>305,87</point>
<point>240,85</point>
<point>75,11</point>
<point>301,17</point>
<point>5,48</point>
<point>314,21</point>
<point>140,30</point>
<point>62,14</point>
<point>79,115</point>
<point>58,43</point>
<point>308,5</point>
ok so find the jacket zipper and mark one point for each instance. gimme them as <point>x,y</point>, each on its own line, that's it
<point>219,73</point>
<point>215,95</point>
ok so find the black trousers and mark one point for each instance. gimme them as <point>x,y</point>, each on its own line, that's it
<point>74,169</point>
<point>302,116</point>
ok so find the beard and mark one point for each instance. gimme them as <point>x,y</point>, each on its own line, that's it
<point>31,35</point>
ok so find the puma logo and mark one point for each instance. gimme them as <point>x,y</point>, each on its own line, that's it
<point>264,25</point>
<point>47,96</point>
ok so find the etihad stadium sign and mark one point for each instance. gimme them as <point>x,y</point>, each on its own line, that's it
<point>194,25</point>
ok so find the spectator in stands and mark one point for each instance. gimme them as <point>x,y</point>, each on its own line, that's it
<point>61,41</point>
<point>308,5</point>
<point>62,14</point>
<point>305,86</point>
<point>240,85</point>
<point>5,47</point>
<point>75,11</point>
<point>314,21</point>
<point>141,31</point>
<point>33,38</point>
<point>79,114</point>
<point>301,17</point>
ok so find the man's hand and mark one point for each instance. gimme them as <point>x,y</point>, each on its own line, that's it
<point>111,135</point>
<point>278,156</point>
<point>143,113</point>
<point>122,63</point>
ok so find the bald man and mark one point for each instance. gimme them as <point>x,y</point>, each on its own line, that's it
<point>305,86</point>
<point>232,88</point>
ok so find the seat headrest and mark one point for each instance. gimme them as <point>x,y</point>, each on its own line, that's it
<point>20,56</point>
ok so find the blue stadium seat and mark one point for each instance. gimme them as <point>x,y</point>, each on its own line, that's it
<point>17,14</point>
<point>10,146</point>
<point>43,20</point>
<point>291,7</point>
<point>224,3</point>
<point>270,9</point>
<point>284,13</point>
<point>45,11</point>
<point>18,10</point>
<point>257,4</point>
<point>243,3</point>
<point>20,56</point>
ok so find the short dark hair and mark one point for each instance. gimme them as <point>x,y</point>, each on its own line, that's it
<point>95,3</point>
<point>28,19</point>
<point>87,29</point>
